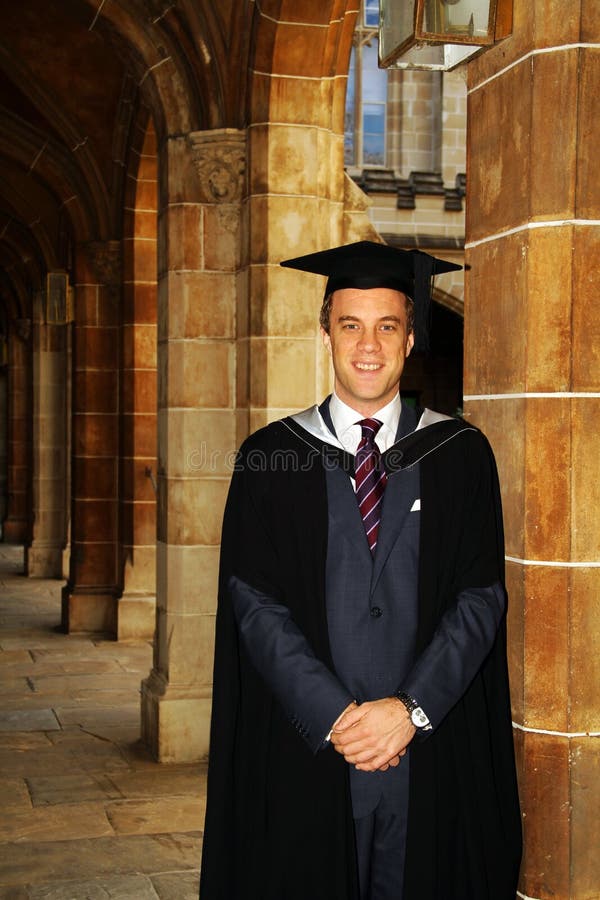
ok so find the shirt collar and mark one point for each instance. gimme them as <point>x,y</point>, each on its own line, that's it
<point>344,417</point>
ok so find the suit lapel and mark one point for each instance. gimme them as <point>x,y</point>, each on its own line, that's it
<point>401,492</point>
<point>345,514</point>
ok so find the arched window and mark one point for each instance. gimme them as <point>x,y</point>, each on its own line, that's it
<point>366,96</point>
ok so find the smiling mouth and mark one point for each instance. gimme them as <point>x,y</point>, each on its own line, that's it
<point>368,367</point>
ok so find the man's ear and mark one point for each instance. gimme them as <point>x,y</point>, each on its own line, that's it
<point>326,339</point>
<point>410,343</point>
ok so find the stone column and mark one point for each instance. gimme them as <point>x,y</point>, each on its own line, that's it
<point>3,428</point>
<point>421,112</point>
<point>202,297</point>
<point>136,611</point>
<point>44,556</point>
<point>454,126</point>
<point>297,192</point>
<point>16,526</point>
<point>89,597</point>
<point>532,382</point>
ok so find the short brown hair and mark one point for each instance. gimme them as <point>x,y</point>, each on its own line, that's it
<point>325,314</point>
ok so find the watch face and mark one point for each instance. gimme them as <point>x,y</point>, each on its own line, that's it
<point>419,718</point>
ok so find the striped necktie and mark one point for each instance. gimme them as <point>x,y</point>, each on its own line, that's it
<point>370,480</point>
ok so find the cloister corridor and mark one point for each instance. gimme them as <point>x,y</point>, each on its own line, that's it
<point>85,812</point>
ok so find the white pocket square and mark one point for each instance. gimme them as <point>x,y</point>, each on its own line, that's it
<point>416,505</point>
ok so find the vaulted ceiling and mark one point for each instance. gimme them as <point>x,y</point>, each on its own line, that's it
<point>74,82</point>
<point>79,77</point>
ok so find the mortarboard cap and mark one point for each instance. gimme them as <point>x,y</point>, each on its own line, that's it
<point>367,264</point>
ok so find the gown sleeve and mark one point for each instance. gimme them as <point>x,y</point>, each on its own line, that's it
<point>311,695</point>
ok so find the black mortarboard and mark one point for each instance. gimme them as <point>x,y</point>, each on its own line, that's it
<point>367,264</point>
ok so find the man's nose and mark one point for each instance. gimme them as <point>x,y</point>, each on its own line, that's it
<point>370,339</point>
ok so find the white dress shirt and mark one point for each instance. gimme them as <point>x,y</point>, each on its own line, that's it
<point>349,433</point>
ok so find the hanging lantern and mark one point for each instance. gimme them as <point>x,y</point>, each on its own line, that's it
<point>439,34</point>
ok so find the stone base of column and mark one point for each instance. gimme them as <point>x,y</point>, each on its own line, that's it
<point>88,612</point>
<point>14,531</point>
<point>175,720</point>
<point>43,562</point>
<point>136,617</point>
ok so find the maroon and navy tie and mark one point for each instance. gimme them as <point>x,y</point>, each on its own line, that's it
<point>370,480</point>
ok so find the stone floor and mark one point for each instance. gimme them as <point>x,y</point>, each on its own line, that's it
<point>86,814</point>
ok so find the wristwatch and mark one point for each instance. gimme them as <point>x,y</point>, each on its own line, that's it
<point>417,715</point>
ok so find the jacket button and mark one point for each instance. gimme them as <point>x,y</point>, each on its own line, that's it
<point>376,612</point>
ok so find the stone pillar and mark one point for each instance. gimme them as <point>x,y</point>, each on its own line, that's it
<point>532,382</point>
<point>3,429</point>
<point>454,126</point>
<point>16,527</point>
<point>297,191</point>
<point>136,610</point>
<point>202,298</point>
<point>421,112</point>
<point>89,597</point>
<point>44,556</point>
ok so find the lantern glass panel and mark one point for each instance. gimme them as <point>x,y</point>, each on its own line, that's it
<point>397,25</point>
<point>461,20</point>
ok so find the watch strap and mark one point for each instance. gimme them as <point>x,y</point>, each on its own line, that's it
<point>417,715</point>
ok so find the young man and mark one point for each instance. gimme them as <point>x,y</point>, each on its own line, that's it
<point>361,743</point>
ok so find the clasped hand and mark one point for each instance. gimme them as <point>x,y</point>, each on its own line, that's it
<point>373,736</point>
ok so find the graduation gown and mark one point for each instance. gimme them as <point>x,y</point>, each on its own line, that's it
<point>279,820</point>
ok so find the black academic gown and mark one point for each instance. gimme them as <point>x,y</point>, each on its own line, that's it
<point>279,819</point>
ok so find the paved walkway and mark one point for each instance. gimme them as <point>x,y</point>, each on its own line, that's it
<point>86,814</point>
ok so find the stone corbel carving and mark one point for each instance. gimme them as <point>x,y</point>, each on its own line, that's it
<point>220,160</point>
<point>105,259</point>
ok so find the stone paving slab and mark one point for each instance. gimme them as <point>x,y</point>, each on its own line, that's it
<point>88,717</point>
<point>132,648</point>
<point>28,720</point>
<point>49,862</point>
<point>31,639</point>
<point>74,647</point>
<point>26,666</point>
<point>74,734</point>
<point>57,760</point>
<point>127,887</point>
<point>72,700</point>
<point>14,658</point>
<point>14,795</point>
<point>60,789</point>
<point>29,613</point>
<point>71,648</point>
<point>78,684</point>
<point>177,885</point>
<point>49,823</point>
<point>15,685</point>
<point>14,893</point>
<point>159,781</point>
<point>25,740</point>
<point>168,814</point>
<point>125,734</point>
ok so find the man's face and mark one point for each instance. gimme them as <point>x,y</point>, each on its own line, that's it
<point>369,343</point>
